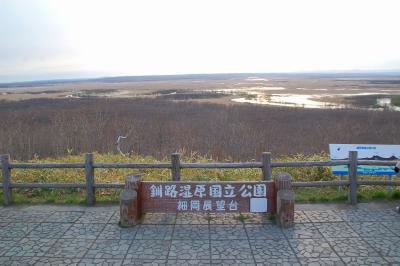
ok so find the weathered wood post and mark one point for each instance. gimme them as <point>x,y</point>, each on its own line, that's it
<point>130,209</point>
<point>266,166</point>
<point>6,173</point>
<point>176,167</point>
<point>89,175</point>
<point>284,200</point>
<point>353,177</point>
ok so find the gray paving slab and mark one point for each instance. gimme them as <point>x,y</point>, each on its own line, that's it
<point>231,250</point>
<point>108,249</point>
<point>114,231</point>
<point>336,230</point>
<point>228,231</point>
<point>79,235</point>
<point>85,231</point>
<point>159,218</point>
<point>352,247</point>
<point>152,232</point>
<point>189,250</point>
<point>149,250</point>
<point>312,248</point>
<point>190,232</point>
<point>265,250</point>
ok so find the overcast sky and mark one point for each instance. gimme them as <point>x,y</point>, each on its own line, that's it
<point>46,39</point>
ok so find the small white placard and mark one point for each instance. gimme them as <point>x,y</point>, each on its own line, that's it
<point>258,205</point>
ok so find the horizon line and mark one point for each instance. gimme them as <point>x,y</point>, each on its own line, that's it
<point>384,72</point>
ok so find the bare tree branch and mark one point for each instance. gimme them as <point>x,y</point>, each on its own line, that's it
<point>119,141</point>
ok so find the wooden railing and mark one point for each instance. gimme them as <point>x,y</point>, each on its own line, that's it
<point>176,165</point>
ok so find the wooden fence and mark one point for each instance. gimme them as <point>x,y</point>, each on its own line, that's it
<point>176,165</point>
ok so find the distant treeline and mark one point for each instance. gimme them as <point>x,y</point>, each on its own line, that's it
<point>47,127</point>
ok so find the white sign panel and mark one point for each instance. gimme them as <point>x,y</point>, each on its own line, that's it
<point>365,152</point>
<point>258,205</point>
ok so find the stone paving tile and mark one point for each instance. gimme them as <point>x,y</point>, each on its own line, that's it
<point>300,217</point>
<point>370,229</point>
<point>30,247</point>
<point>327,216</point>
<point>386,215</point>
<point>322,261</point>
<point>227,232</point>
<point>189,250</point>
<point>393,260</point>
<point>264,231</point>
<point>16,230</point>
<point>356,215</point>
<point>86,231</point>
<point>184,231</point>
<point>5,245</point>
<point>279,262</point>
<point>49,230</point>
<point>312,248</point>
<point>233,262</point>
<point>148,250</point>
<point>352,247</point>
<point>2,224</point>
<point>64,217</point>
<point>364,261</point>
<point>114,218</point>
<point>102,262</point>
<point>69,248</point>
<point>386,246</point>
<point>192,218</point>
<point>362,215</point>
<point>264,250</point>
<point>108,249</point>
<point>98,216</point>
<point>26,216</point>
<point>256,218</point>
<point>159,218</point>
<point>114,231</point>
<point>393,227</point>
<point>144,262</point>
<point>14,261</point>
<point>45,261</point>
<point>147,231</point>
<point>231,249</point>
<point>189,262</point>
<point>306,230</point>
<point>336,230</point>
<point>225,218</point>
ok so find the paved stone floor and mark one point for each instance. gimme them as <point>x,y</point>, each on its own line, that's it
<point>76,235</point>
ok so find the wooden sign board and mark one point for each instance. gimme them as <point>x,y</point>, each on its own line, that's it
<point>207,196</point>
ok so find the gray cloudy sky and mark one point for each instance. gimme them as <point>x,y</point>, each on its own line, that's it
<point>46,39</point>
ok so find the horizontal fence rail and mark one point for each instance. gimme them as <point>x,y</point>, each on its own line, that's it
<point>176,165</point>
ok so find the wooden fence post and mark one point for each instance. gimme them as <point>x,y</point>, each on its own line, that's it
<point>353,177</point>
<point>176,167</point>
<point>266,166</point>
<point>284,200</point>
<point>89,174</point>
<point>130,205</point>
<point>6,172</point>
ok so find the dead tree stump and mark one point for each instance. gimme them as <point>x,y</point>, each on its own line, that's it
<point>284,200</point>
<point>130,201</point>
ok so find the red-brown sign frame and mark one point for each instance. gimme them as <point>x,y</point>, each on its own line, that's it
<point>200,193</point>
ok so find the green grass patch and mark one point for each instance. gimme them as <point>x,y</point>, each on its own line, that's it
<point>395,100</point>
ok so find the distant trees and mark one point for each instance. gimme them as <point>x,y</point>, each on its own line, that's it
<point>159,127</point>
